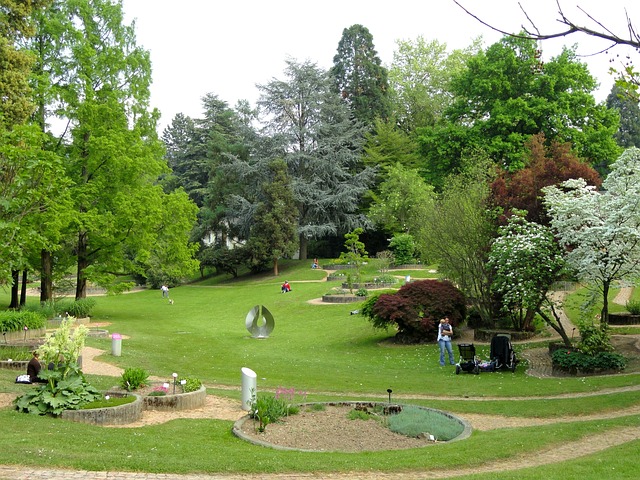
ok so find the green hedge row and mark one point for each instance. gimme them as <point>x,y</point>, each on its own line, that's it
<point>15,321</point>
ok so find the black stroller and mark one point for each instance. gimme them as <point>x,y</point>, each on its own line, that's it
<point>502,354</point>
<point>468,360</point>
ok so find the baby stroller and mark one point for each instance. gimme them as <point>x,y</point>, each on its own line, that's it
<point>502,354</point>
<point>468,361</point>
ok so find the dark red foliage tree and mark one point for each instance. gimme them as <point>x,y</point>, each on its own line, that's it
<point>417,308</point>
<point>548,165</point>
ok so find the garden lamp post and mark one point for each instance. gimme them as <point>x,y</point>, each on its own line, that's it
<point>175,378</point>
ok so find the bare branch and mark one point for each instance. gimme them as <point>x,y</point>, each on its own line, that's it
<point>533,33</point>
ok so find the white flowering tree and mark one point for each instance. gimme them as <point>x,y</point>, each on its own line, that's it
<point>600,229</point>
<point>526,260</point>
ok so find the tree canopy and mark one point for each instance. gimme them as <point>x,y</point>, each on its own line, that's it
<point>600,229</point>
<point>359,76</point>
<point>506,95</point>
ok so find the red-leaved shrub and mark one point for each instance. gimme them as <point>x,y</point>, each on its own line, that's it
<point>417,308</point>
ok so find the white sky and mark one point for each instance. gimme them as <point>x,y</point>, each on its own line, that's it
<point>227,47</point>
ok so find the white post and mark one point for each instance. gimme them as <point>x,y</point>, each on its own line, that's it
<point>249,391</point>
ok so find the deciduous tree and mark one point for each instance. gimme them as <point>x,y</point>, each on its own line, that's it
<point>506,95</point>
<point>600,229</point>
<point>527,260</point>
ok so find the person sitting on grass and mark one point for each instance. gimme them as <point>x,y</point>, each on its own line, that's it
<point>34,367</point>
<point>286,287</point>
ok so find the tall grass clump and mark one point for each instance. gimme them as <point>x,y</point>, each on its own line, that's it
<point>412,421</point>
<point>267,409</point>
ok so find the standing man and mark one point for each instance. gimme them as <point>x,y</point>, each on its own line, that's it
<point>445,333</point>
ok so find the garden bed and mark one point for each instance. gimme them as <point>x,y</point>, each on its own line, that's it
<point>624,318</point>
<point>369,285</point>
<point>329,429</point>
<point>342,298</point>
<point>119,415</point>
<point>170,401</point>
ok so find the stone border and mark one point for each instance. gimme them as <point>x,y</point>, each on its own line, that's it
<point>177,401</point>
<point>237,426</point>
<point>345,298</point>
<point>120,415</point>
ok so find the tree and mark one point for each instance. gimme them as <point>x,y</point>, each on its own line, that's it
<point>112,155</point>
<point>527,260</point>
<point>505,96</point>
<point>15,93</point>
<point>356,253</point>
<point>32,184</point>
<point>322,147</point>
<point>419,79</point>
<point>600,229</point>
<point>273,234</point>
<point>628,78</point>
<point>546,165</point>
<point>388,145</point>
<point>359,76</point>
<point>628,134</point>
<point>458,232</point>
<point>403,201</point>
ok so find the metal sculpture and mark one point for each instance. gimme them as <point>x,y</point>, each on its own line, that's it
<point>259,322</point>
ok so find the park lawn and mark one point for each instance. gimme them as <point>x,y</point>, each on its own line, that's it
<point>321,350</point>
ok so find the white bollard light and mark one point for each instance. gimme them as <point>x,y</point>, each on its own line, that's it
<point>249,391</point>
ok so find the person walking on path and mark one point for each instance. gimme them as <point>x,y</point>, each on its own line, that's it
<point>445,333</point>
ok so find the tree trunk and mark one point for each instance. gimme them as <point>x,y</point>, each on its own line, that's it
<point>275,267</point>
<point>46,277</point>
<point>304,243</point>
<point>15,285</point>
<point>604,314</point>
<point>23,290</point>
<point>83,263</point>
<point>557,325</point>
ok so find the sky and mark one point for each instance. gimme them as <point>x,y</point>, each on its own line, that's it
<point>227,47</point>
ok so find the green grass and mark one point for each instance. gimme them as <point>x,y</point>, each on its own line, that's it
<point>319,349</point>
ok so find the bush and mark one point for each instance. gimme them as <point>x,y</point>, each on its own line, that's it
<point>403,248</point>
<point>574,361</point>
<point>66,389</point>
<point>134,378</point>
<point>633,307</point>
<point>268,409</point>
<point>191,384</point>
<point>15,321</point>
<point>79,308</point>
<point>362,292</point>
<point>594,339</point>
<point>416,309</point>
<point>366,310</point>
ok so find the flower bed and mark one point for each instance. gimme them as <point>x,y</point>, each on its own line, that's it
<point>119,415</point>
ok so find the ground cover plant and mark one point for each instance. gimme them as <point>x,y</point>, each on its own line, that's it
<point>331,355</point>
